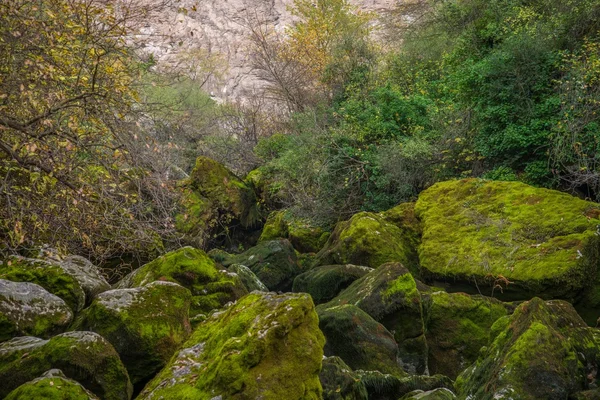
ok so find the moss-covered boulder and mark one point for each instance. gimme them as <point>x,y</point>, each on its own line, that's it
<point>436,394</point>
<point>359,340</point>
<point>88,275</point>
<point>85,357</point>
<point>48,275</point>
<point>146,325</point>
<point>211,285</point>
<point>543,351</point>
<point>490,234</point>
<point>274,262</point>
<point>372,239</point>
<point>27,309</point>
<point>304,235</point>
<point>382,386</point>
<point>326,282</point>
<point>339,382</point>
<point>249,278</point>
<point>389,294</point>
<point>458,326</point>
<point>266,346</point>
<point>213,201</point>
<point>53,385</point>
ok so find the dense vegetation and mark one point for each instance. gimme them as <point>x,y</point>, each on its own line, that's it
<point>94,136</point>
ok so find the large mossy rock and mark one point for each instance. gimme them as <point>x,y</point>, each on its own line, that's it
<point>458,326</point>
<point>213,201</point>
<point>340,382</point>
<point>274,262</point>
<point>146,325</point>
<point>304,236</point>
<point>88,275</point>
<point>212,286</point>
<point>326,282</point>
<point>372,239</point>
<point>359,340</point>
<point>85,357</point>
<point>543,351</point>
<point>53,385</point>
<point>530,241</point>
<point>389,294</point>
<point>249,278</point>
<point>27,309</point>
<point>47,274</point>
<point>436,394</point>
<point>266,346</point>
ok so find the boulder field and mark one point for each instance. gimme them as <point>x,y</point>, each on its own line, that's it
<point>478,290</point>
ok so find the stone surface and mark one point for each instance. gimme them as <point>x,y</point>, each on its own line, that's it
<point>146,325</point>
<point>274,262</point>
<point>27,309</point>
<point>389,387</point>
<point>249,278</point>
<point>52,385</point>
<point>543,351</point>
<point>85,357</point>
<point>359,340</point>
<point>266,346</point>
<point>436,394</point>
<point>389,294</point>
<point>211,286</point>
<point>305,237</point>
<point>326,282</point>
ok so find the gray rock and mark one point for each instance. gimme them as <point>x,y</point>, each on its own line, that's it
<point>28,309</point>
<point>249,279</point>
<point>87,274</point>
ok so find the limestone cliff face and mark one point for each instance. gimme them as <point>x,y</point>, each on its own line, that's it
<point>188,31</point>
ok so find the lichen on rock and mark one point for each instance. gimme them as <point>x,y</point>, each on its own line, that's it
<point>146,325</point>
<point>266,346</point>
<point>52,385</point>
<point>27,309</point>
<point>85,357</point>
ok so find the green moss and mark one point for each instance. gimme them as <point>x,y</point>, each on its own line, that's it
<point>213,201</point>
<point>83,356</point>
<point>487,232</point>
<point>372,239</point>
<point>49,276</point>
<point>544,351</point>
<point>304,236</point>
<point>145,325</point>
<point>404,285</point>
<point>51,388</point>
<point>326,282</point>
<point>385,386</point>
<point>265,346</point>
<point>211,286</point>
<point>458,326</point>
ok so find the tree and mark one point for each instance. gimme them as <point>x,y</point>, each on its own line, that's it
<point>66,132</point>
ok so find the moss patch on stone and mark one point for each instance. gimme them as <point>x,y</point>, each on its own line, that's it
<point>265,346</point>
<point>274,262</point>
<point>146,325</point>
<point>85,357</point>
<point>458,326</point>
<point>48,275</point>
<point>304,236</point>
<point>211,286</point>
<point>490,233</point>
<point>545,351</point>
<point>389,387</point>
<point>389,294</point>
<point>213,200</point>
<point>372,239</point>
<point>53,385</point>
<point>326,282</point>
